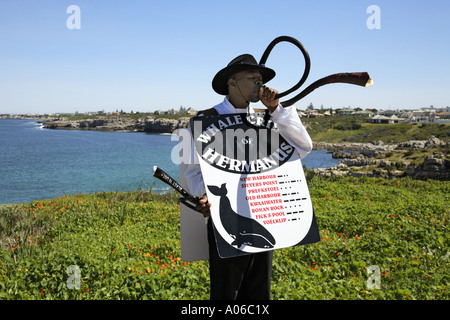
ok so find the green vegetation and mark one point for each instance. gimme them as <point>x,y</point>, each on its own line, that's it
<point>135,116</point>
<point>354,129</point>
<point>126,245</point>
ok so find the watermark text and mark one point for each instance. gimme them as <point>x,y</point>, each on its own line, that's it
<point>374,20</point>
<point>74,20</point>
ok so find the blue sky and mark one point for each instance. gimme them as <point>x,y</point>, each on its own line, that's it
<point>149,55</point>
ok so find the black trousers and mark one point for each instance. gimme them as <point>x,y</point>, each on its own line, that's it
<point>245,277</point>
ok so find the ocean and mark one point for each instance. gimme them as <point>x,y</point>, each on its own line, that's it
<point>38,163</point>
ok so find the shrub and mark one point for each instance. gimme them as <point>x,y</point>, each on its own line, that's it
<point>128,248</point>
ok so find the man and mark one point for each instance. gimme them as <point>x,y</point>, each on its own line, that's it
<point>242,82</point>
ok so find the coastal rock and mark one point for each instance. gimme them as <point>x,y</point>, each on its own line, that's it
<point>360,161</point>
<point>367,149</point>
<point>376,148</point>
<point>350,146</point>
<point>342,155</point>
<point>420,144</point>
<point>149,124</point>
<point>433,167</point>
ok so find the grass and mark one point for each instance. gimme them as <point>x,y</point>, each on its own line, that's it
<point>126,246</point>
<point>354,129</point>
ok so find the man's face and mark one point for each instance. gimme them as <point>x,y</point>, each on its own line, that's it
<point>249,83</point>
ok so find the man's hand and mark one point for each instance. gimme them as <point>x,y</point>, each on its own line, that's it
<point>267,97</point>
<point>204,206</point>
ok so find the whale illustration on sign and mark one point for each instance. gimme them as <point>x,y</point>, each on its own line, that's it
<point>244,230</point>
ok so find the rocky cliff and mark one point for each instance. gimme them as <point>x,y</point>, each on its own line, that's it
<point>374,159</point>
<point>149,124</point>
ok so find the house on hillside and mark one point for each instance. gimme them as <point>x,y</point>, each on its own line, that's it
<point>422,116</point>
<point>443,115</point>
<point>366,113</point>
<point>313,113</point>
<point>386,119</point>
<point>345,111</point>
<point>191,111</point>
<point>416,117</point>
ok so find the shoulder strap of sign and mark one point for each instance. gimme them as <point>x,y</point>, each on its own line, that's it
<point>208,112</point>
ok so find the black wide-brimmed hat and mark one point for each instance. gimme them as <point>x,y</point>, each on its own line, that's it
<point>243,62</point>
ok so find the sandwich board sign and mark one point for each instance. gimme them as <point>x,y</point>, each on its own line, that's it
<point>255,182</point>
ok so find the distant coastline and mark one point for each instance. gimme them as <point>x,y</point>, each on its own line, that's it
<point>147,124</point>
<point>150,124</point>
<point>421,159</point>
<point>373,159</point>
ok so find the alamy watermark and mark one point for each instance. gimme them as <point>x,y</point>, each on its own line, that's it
<point>74,20</point>
<point>374,280</point>
<point>73,282</point>
<point>227,145</point>
<point>374,20</point>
